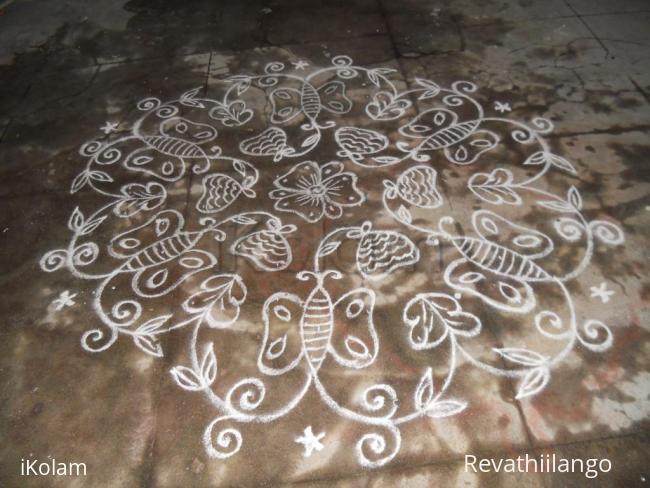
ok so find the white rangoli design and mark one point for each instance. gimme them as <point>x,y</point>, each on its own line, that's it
<point>157,252</point>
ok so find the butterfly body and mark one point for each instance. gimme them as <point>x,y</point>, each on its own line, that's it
<point>173,146</point>
<point>451,135</point>
<point>316,326</point>
<point>310,101</point>
<point>163,251</point>
<point>499,259</point>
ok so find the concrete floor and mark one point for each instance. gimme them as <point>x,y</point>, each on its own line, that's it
<point>345,243</point>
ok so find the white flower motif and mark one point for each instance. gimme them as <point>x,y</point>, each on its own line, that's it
<point>109,127</point>
<point>601,291</point>
<point>65,299</point>
<point>310,441</point>
<point>300,65</point>
<point>310,190</point>
<point>502,107</point>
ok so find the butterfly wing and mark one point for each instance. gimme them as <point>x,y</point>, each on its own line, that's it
<point>429,123</point>
<point>499,265</point>
<point>162,225</point>
<point>333,98</point>
<point>182,128</point>
<point>285,104</point>
<point>354,342</point>
<point>160,279</point>
<point>281,347</point>
<point>470,148</point>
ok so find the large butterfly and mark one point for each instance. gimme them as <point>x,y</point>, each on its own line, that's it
<point>166,153</point>
<point>309,330</point>
<point>288,103</point>
<point>500,263</point>
<point>462,142</point>
<point>157,249</point>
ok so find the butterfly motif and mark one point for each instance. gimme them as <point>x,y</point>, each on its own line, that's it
<point>157,249</point>
<point>504,254</point>
<point>309,330</point>
<point>166,152</point>
<point>287,102</point>
<point>439,128</point>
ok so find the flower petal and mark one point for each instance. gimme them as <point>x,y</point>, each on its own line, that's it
<point>301,176</point>
<point>309,208</point>
<point>342,190</point>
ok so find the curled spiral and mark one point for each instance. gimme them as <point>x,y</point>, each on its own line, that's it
<point>381,400</point>
<point>569,229</point>
<point>268,81</point>
<point>108,155</point>
<point>90,148</point>
<point>523,136</point>
<point>464,86</point>
<point>251,393</point>
<point>550,325</point>
<point>597,336</point>
<point>607,232</point>
<point>54,260</point>
<point>542,125</point>
<point>125,313</point>
<point>96,340</point>
<point>374,444</point>
<point>228,440</point>
<point>166,111</point>
<point>149,103</point>
<point>85,254</point>
<point>274,67</point>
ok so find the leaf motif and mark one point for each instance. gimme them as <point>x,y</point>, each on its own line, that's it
<point>432,89</point>
<point>76,221</point>
<point>424,391</point>
<point>534,381</point>
<point>563,164</point>
<point>574,198</point>
<point>151,326</point>
<point>100,176</point>
<point>557,206</point>
<point>187,378</point>
<point>522,356</point>
<point>219,299</point>
<point>311,140</point>
<point>189,98</point>
<point>149,344</point>
<point>242,220</point>
<point>445,408</point>
<point>536,158</point>
<point>495,187</point>
<point>137,197</point>
<point>329,248</point>
<point>209,365</point>
<point>404,214</point>
<point>79,182</point>
<point>91,225</point>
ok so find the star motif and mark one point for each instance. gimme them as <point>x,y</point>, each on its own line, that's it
<point>601,292</point>
<point>301,65</point>
<point>109,127</point>
<point>65,299</point>
<point>502,107</point>
<point>310,441</point>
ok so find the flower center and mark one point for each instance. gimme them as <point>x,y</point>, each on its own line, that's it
<point>317,190</point>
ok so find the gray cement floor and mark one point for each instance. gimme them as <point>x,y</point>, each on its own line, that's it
<point>311,243</point>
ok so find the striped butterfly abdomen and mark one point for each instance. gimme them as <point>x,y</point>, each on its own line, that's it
<point>316,326</point>
<point>499,259</point>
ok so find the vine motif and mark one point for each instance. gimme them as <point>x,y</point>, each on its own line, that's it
<point>500,263</point>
